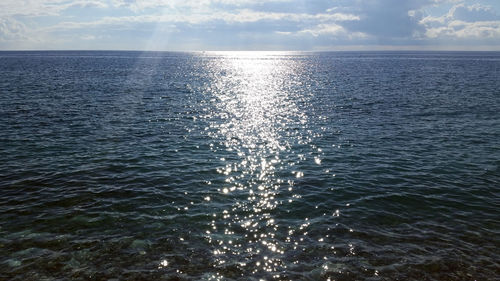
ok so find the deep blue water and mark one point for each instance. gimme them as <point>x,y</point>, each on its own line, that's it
<point>248,166</point>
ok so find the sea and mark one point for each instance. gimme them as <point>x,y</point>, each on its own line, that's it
<point>124,165</point>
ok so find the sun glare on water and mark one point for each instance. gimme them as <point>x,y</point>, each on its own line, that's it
<point>255,109</point>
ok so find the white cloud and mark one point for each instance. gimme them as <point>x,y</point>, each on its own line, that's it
<point>11,29</point>
<point>387,22</point>
<point>464,22</point>
<point>473,13</point>
<point>44,7</point>
<point>466,30</point>
<point>322,29</point>
<point>239,16</point>
<point>30,7</point>
<point>89,4</point>
<point>253,16</point>
<point>330,30</point>
<point>194,5</point>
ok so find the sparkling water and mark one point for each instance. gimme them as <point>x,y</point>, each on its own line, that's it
<point>249,166</point>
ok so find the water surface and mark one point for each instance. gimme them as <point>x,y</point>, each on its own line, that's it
<point>249,166</point>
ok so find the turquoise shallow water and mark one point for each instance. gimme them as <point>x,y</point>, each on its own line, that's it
<point>249,166</point>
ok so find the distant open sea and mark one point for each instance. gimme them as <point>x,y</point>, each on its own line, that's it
<point>249,165</point>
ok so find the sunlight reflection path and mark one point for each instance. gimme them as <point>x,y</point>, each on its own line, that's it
<point>257,119</point>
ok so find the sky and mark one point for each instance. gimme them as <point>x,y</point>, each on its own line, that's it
<point>219,25</point>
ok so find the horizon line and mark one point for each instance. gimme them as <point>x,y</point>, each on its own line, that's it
<point>268,51</point>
